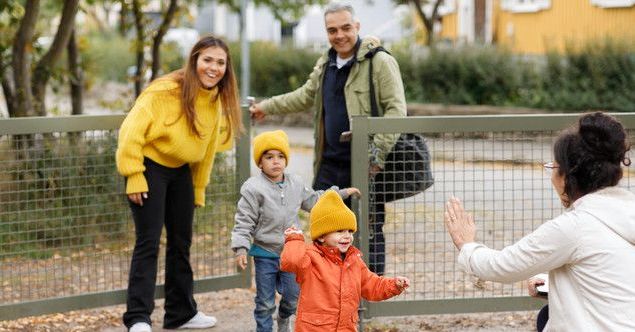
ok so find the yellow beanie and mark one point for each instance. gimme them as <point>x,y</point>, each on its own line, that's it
<point>330,214</point>
<point>271,140</point>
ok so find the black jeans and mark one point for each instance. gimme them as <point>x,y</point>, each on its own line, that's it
<point>543,317</point>
<point>332,173</point>
<point>170,202</point>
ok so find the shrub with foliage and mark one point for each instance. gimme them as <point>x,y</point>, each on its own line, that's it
<point>65,194</point>
<point>106,56</point>
<point>598,76</point>
<point>274,69</point>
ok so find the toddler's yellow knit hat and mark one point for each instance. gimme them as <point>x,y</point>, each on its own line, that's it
<point>271,140</point>
<point>330,214</point>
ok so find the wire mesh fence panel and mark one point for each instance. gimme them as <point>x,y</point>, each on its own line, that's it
<point>500,178</point>
<point>65,225</point>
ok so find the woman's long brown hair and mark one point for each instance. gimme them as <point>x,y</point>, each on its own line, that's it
<point>227,88</point>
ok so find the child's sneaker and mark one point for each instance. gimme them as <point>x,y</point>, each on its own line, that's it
<point>283,324</point>
<point>140,327</point>
<point>199,321</point>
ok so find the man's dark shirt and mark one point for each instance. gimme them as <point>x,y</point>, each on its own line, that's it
<point>335,112</point>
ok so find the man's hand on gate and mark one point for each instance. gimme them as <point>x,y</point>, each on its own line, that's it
<point>256,112</point>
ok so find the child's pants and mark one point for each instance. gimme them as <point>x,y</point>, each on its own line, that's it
<point>270,279</point>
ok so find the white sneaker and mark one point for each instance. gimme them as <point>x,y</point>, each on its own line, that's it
<point>199,321</point>
<point>140,327</point>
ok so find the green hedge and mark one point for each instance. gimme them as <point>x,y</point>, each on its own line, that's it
<point>107,56</point>
<point>275,70</point>
<point>597,76</point>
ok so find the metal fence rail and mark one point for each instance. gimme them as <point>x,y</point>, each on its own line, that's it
<point>66,234</point>
<point>494,164</point>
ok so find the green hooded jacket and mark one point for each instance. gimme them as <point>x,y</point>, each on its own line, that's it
<point>389,93</point>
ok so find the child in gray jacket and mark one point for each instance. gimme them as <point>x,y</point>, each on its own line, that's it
<point>268,205</point>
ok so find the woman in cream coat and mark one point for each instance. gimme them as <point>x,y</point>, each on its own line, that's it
<point>589,250</point>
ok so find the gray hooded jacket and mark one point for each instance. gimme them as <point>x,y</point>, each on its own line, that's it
<point>266,209</point>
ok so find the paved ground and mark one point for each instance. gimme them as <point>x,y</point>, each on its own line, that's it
<point>234,307</point>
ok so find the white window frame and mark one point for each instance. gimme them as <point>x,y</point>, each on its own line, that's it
<point>526,6</point>
<point>613,3</point>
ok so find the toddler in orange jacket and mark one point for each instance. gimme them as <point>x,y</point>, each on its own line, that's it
<point>331,273</point>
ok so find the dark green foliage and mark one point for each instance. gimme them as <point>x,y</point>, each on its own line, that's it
<point>106,56</point>
<point>599,76</point>
<point>64,194</point>
<point>275,70</point>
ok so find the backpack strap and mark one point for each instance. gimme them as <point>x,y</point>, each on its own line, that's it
<point>374,110</point>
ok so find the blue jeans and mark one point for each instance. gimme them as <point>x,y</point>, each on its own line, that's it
<point>270,279</point>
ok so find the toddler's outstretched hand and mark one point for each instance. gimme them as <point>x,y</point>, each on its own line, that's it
<point>402,283</point>
<point>352,191</point>
<point>292,230</point>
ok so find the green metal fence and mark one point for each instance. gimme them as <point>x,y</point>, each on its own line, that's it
<point>66,234</point>
<point>494,164</point>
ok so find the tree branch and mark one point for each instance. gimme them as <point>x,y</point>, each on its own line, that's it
<point>9,93</point>
<point>428,22</point>
<point>158,38</point>
<point>138,21</point>
<point>42,71</point>
<point>21,59</point>
<point>75,76</point>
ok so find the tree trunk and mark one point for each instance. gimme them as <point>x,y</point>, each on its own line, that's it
<point>428,22</point>
<point>21,59</point>
<point>138,21</point>
<point>76,78</point>
<point>7,89</point>
<point>43,69</point>
<point>158,38</point>
<point>123,18</point>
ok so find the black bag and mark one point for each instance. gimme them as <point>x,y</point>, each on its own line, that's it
<point>407,170</point>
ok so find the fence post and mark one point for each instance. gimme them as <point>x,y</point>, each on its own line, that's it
<point>359,179</point>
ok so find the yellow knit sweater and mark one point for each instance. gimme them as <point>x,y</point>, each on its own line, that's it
<point>157,129</point>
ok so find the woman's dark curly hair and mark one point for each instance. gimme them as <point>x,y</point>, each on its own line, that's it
<point>590,154</point>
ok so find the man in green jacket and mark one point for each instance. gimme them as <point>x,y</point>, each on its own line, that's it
<point>338,89</point>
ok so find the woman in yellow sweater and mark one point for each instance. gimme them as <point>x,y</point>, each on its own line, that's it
<point>166,152</point>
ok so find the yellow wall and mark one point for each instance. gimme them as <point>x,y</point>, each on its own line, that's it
<point>449,27</point>
<point>572,22</point>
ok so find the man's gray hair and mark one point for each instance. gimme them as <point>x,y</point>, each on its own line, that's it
<point>335,7</point>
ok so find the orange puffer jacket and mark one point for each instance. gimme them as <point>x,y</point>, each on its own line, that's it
<point>331,288</point>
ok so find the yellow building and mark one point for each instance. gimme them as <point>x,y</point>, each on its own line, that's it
<point>535,26</point>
